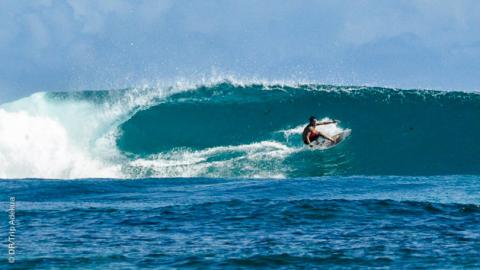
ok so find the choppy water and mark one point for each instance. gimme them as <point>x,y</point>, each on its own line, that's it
<point>197,223</point>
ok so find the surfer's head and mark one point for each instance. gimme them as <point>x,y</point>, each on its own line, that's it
<point>312,120</point>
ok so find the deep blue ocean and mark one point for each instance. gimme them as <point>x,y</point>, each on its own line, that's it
<point>215,176</point>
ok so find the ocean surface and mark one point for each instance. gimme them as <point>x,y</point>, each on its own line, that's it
<point>327,222</point>
<point>215,175</point>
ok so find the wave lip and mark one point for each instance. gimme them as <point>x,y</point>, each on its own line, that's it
<point>231,129</point>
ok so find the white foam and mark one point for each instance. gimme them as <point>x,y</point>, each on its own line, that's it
<point>36,146</point>
<point>330,129</point>
<point>42,137</point>
<point>252,160</point>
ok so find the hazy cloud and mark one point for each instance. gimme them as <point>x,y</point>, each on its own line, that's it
<point>71,45</point>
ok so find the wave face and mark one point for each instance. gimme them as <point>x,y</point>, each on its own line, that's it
<point>228,129</point>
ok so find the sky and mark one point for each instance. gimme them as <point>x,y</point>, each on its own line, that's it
<point>75,45</point>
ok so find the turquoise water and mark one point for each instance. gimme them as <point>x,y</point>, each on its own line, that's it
<point>394,132</point>
<point>239,130</point>
<point>216,176</point>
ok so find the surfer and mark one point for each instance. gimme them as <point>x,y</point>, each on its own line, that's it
<point>310,133</point>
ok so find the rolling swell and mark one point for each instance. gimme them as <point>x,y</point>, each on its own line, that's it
<point>227,129</point>
<point>394,131</point>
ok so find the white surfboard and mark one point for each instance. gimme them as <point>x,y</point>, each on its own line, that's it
<point>322,143</point>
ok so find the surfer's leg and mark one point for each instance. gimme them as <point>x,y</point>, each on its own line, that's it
<point>336,137</point>
<point>316,139</point>
<point>326,136</point>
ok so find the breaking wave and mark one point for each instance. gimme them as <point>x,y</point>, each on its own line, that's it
<point>231,129</point>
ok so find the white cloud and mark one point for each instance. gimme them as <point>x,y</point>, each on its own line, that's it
<point>93,15</point>
<point>72,44</point>
<point>436,22</point>
<point>151,11</point>
<point>40,35</point>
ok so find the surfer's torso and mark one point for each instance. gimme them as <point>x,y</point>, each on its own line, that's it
<point>311,132</point>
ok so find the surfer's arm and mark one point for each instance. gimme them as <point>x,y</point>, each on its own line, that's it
<point>326,123</point>
<point>307,138</point>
